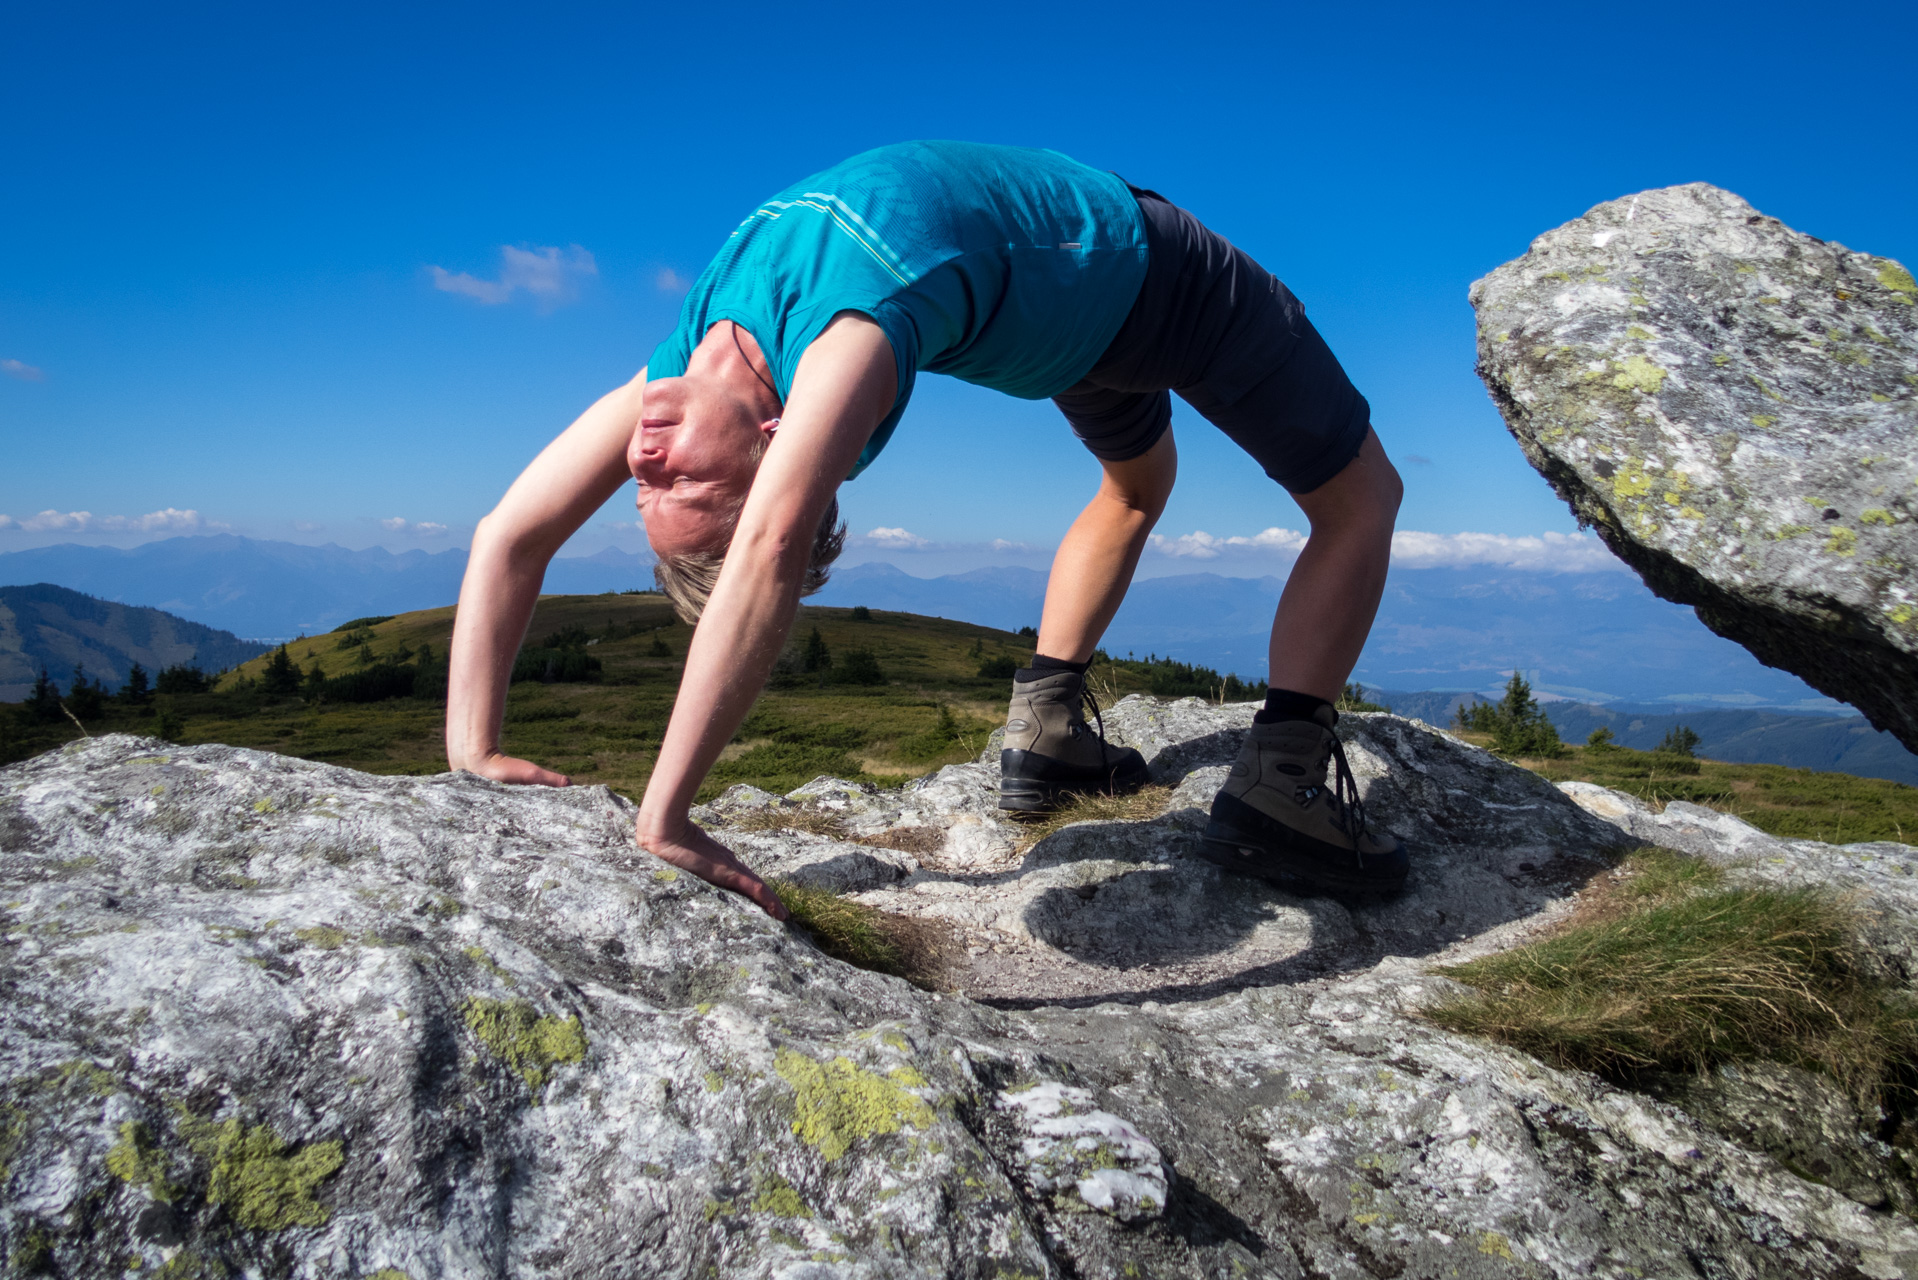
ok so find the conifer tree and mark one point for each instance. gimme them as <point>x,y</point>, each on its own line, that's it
<point>280,678</point>
<point>44,702</point>
<point>817,657</point>
<point>137,688</point>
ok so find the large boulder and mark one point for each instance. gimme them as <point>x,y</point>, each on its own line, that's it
<point>265,1017</point>
<point>1733,405</point>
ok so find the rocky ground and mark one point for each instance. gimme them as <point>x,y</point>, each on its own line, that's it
<point>274,1018</point>
<point>1733,406</point>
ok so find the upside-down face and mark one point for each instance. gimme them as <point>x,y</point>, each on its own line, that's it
<point>694,453</point>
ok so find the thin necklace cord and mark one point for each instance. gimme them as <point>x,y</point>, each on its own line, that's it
<point>749,364</point>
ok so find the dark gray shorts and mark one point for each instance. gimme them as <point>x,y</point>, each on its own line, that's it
<point>1219,329</point>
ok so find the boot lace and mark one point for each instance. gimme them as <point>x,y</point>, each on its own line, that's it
<point>1089,703</point>
<point>1345,797</point>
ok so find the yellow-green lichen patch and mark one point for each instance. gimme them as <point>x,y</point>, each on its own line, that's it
<point>1877,516</point>
<point>1898,280</point>
<point>714,1082</point>
<point>1496,1245</point>
<point>323,936</point>
<point>138,1161</point>
<point>262,1185</point>
<point>524,1041</point>
<point>1762,421</point>
<point>1902,614</point>
<point>263,805</point>
<point>387,1273</point>
<point>839,1103</point>
<point>188,1265</point>
<point>779,1198</point>
<point>1638,373</point>
<point>1879,397</point>
<point>1842,542</point>
<point>1632,480</point>
<point>1764,390</point>
<point>666,874</point>
<point>1640,333</point>
<point>1785,533</point>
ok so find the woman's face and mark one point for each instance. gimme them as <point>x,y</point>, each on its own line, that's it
<point>694,457</point>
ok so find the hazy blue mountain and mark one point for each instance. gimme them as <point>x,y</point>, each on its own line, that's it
<point>51,627</point>
<point>1591,637</point>
<point>275,590</point>
<point>1802,740</point>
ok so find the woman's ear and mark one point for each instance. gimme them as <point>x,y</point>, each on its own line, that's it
<point>768,428</point>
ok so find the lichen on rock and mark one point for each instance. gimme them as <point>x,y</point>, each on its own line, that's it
<point>838,1103</point>
<point>518,1036</point>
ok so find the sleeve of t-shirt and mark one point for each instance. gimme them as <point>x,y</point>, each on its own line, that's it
<point>903,335</point>
<point>670,357</point>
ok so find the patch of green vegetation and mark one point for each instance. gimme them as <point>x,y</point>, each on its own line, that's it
<point>779,1198</point>
<point>1669,967</point>
<point>262,1184</point>
<point>843,929</point>
<point>516,1034</point>
<point>323,936</point>
<point>1516,723</point>
<point>839,1103</point>
<point>138,1161</point>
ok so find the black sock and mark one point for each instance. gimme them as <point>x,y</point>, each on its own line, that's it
<point>1283,704</point>
<point>1043,666</point>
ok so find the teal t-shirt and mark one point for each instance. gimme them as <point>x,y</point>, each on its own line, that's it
<point>1006,266</point>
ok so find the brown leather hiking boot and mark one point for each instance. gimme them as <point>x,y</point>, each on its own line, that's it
<point>1275,815</point>
<point>1050,751</point>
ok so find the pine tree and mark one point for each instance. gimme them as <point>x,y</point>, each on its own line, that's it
<point>1601,739</point>
<point>44,702</point>
<point>137,688</point>
<point>1679,741</point>
<point>85,698</point>
<point>280,678</point>
<point>817,656</point>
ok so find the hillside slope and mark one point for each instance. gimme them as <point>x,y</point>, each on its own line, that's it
<point>51,627</point>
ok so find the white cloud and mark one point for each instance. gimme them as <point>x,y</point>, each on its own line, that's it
<point>421,529</point>
<point>22,370</point>
<point>167,520</point>
<point>1200,545</point>
<point>1549,552</point>
<point>896,539</point>
<point>670,281</point>
<point>549,275</point>
<point>308,526</point>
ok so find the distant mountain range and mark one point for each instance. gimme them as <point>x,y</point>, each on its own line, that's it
<point>1594,637</point>
<point>1845,743</point>
<point>44,626</point>
<point>277,590</point>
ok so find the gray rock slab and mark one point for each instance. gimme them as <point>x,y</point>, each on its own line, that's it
<point>271,1018</point>
<point>1733,406</point>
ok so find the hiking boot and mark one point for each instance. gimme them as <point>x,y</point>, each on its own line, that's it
<point>1049,751</point>
<point>1276,815</point>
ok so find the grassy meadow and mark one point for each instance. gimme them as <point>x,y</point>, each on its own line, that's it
<point>881,697</point>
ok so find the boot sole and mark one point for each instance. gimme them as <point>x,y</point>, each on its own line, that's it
<point>1273,850</point>
<point>1038,795</point>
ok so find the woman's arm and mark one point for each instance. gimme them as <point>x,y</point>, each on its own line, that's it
<point>843,387</point>
<point>570,479</point>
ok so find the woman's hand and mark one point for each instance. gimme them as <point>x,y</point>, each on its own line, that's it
<point>693,850</point>
<point>504,768</point>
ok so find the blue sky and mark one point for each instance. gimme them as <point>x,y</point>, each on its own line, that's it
<point>302,270</point>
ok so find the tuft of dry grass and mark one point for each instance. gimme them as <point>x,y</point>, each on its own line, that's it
<point>1138,806</point>
<point>868,938</point>
<point>777,818</point>
<point>1667,967</point>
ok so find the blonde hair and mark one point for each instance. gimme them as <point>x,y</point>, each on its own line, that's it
<point>688,579</point>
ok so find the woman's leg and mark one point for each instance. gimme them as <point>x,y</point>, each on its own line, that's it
<point>1333,593</point>
<point>1094,564</point>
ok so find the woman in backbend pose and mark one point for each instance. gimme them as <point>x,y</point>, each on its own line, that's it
<point>794,357</point>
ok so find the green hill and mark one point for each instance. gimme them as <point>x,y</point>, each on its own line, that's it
<point>47,627</point>
<point>885,697</point>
